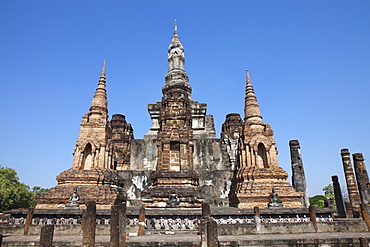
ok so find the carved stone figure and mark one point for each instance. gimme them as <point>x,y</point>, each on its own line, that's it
<point>275,202</point>
<point>73,201</point>
<point>173,201</point>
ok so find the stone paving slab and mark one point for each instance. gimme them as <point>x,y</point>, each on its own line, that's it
<point>194,240</point>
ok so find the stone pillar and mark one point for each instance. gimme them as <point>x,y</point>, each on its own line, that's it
<point>88,224</point>
<point>257,219</point>
<point>354,196</point>
<point>208,228</point>
<point>114,227</point>
<point>313,217</point>
<point>122,216</point>
<point>362,178</point>
<point>46,236</point>
<point>28,220</point>
<point>141,230</point>
<point>365,215</point>
<point>206,210</point>
<point>338,197</point>
<point>298,176</point>
<point>206,215</point>
<point>364,242</point>
<point>212,234</point>
<point>203,232</point>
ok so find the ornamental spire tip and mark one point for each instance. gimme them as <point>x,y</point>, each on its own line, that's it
<point>175,27</point>
<point>104,68</point>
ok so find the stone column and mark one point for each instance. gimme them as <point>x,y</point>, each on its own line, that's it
<point>362,178</point>
<point>122,216</point>
<point>298,176</point>
<point>46,236</point>
<point>313,217</point>
<point>212,234</point>
<point>257,219</point>
<point>114,227</point>
<point>88,224</point>
<point>208,228</point>
<point>28,220</point>
<point>141,230</point>
<point>354,196</point>
<point>365,215</point>
<point>206,210</point>
<point>338,197</point>
<point>364,242</point>
<point>206,215</point>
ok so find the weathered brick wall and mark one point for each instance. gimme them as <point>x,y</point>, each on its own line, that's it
<point>214,172</point>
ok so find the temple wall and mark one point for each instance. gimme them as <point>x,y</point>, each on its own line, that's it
<point>214,171</point>
<point>338,225</point>
<point>214,174</point>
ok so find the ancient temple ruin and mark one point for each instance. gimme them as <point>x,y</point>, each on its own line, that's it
<point>180,162</point>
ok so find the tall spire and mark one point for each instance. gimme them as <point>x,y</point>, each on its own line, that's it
<point>251,109</point>
<point>174,28</point>
<point>99,103</point>
<point>104,69</point>
<point>176,58</point>
<point>176,75</point>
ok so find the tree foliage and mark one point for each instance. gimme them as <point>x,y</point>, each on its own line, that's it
<point>13,193</point>
<point>329,194</point>
<point>318,201</point>
<point>39,190</point>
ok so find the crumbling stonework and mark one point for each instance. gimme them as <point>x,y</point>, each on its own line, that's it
<point>174,172</point>
<point>258,172</point>
<point>95,158</point>
<point>122,134</point>
<point>362,178</point>
<point>179,162</point>
<point>298,175</point>
<point>353,194</point>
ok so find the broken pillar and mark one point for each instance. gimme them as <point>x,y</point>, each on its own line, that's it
<point>365,214</point>
<point>257,219</point>
<point>212,234</point>
<point>313,218</point>
<point>207,227</point>
<point>114,227</point>
<point>338,197</point>
<point>298,176</point>
<point>353,194</point>
<point>46,236</point>
<point>362,178</point>
<point>206,210</point>
<point>122,217</point>
<point>141,230</point>
<point>364,242</point>
<point>28,220</point>
<point>88,224</point>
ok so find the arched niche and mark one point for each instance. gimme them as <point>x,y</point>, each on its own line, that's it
<point>87,158</point>
<point>261,159</point>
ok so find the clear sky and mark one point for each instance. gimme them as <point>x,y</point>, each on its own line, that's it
<point>309,63</point>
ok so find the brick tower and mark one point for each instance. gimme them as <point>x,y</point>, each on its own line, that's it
<point>93,160</point>
<point>258,172</point>
<point>175,183</point>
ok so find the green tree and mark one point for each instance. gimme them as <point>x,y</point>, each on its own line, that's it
<point>13,193</point>
<point>318,201</point>
<point>39,190</point>
<point>329,194</point>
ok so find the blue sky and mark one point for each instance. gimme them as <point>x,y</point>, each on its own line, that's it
<point>309,62</point>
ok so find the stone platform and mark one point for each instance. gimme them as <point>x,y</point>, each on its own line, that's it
<point>340,239</point>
